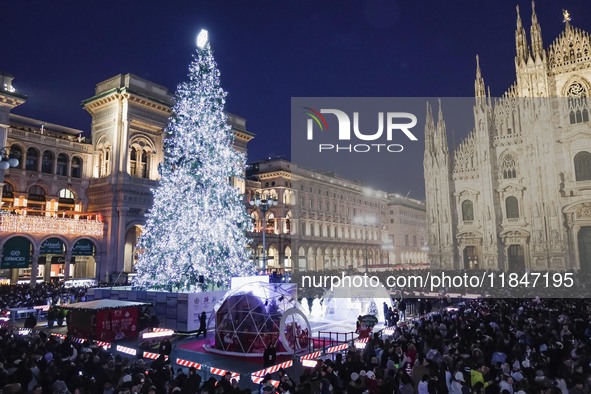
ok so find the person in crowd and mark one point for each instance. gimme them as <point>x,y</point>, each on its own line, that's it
<point>402,309</point>
<point>202,325</point>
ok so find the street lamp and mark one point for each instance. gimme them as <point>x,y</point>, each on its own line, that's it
<point>7,162</point>
<point>264,204</point>
<point>365,220</point>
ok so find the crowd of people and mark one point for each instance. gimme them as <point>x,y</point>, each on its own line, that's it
<point>41,363</point>
<point>25,296</point>
<point>506,346</point>
<point>493,346</point>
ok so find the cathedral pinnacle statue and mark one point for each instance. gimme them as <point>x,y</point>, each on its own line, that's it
<point>565,16</point>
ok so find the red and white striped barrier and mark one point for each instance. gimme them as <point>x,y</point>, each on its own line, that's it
<point>103,344</point>
<point>106,345</point>
<point>43,308</point>
<point>362,340</point>
<point>311,356</point>
<point>222,372</point>
<point>157,333</point>
<point>126,350</point>
<point>273,369</point>
<point>337,348</point>
<point>258,379</point>
<point>187,363</point>
<point>152,356</point>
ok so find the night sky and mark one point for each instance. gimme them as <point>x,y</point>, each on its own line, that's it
<point>268,52</point>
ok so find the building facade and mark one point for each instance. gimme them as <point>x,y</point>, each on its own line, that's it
<point>325,222</point>
<point>75,208</point>
<point>516,193</point>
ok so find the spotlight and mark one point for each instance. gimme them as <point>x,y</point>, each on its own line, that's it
<point>266,302</point>
<point>281,298</point>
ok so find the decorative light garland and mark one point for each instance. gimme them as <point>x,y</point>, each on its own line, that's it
<point>49,225</point>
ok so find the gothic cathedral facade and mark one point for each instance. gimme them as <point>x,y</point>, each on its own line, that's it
<point>515,194</point>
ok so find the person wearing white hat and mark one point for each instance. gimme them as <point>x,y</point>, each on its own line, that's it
<point>457,383</point>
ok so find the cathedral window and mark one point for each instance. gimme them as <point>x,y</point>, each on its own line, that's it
<point>512,207</point>
<point>583,166</point>
<point>509,167</point>
<point>577,103</point>
<point>467,211</point>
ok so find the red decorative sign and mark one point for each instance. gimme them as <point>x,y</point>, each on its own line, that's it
<point>116,324</point>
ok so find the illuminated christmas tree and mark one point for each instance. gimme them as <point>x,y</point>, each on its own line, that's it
<point>197,225</point>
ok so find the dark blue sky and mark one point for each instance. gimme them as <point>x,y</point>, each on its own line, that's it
<point>267,51</point>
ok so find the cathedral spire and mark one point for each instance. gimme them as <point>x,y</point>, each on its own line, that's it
<point>441,136</point>
<point>479,91</point>
<point>429,130</point>
<point>520,41</point>
<point>537,46</point>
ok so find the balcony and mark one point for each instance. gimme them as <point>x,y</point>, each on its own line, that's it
<point>15,223</point>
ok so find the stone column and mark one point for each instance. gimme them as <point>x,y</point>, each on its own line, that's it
<point>97,261</point>
<point>47,273</point>
<point>34,269</point>
<point>67,265</point>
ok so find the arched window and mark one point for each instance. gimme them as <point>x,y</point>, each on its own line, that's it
<point>508,167</point>
<point>17,152</point>
<point>254,218</point>
<point>66,200</point>
<point>66,193</point>
<point>37,193</point>
<point>32,163</point>
<point>133,162</point>
<point>105,161</point>
<point>62,165</point>
<point>577,103</point>
<point>512,207</point>
<point>47,162</point>
<point>270,223</point>
<point>467,211</point>
<point>36,200</point>
<point>8,190</point>
<point>76,171</point>
<point>583,166</point>
<point>143,173</point>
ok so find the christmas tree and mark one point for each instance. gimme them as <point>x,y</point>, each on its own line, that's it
<point>373,308</point>
<point>197,226</point>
